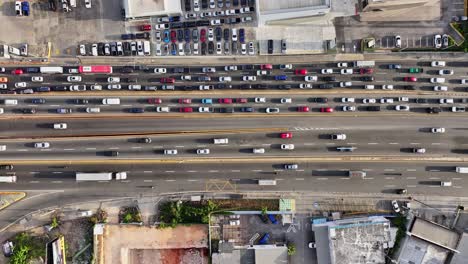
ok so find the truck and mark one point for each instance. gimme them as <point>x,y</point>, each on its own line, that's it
<point>461,169</point>
<point>266,182</point>
<point>360,174</point>
<point>8,178</point>
<point>51,69</point>
<point>364,64</point>
<point>100,176</point>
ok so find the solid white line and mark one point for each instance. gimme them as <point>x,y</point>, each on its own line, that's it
<point>244,145</point>
<point>434,178</point>
<point>90,148</point>
<point>169,171</point>
<point>45,149</point>
<point>389,186</point>
<point>147,171</point>
<point>33,181</point>
<point>346,178</point>
<point>278,170</point>
<point>201,146</point>
<point>299,179</point>
<point>191,171</point>
<point>434,186</point>
<point>322,179</point>
<point>136,147</point>
<point>352,143</point>
<point>68,149</point>
<point>266,145</point>
<point>411,170</point>
<point>34,172</point>
<point>300,170</point>
<point>367,169</point>
<point>321,169</point>
<point>147,180</point>
<point>389,170</point>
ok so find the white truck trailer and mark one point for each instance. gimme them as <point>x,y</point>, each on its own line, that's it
<point>100,176</point>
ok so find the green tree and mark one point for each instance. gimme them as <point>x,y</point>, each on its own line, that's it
<point>128,218</point>
<point>291,249</point>
<point>20,255</point>
<point>55,222</point>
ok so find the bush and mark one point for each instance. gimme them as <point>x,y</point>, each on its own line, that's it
<point>400,223</point>
<point>26,248</point>
<point>291,249</point>
<point>174,213</point>
<point>130,215</point>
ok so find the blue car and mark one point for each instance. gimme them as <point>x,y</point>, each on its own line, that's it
<point>173,49</point>
<point>207,101</point>
<point>241,35</point>
<point>136,110</point>
<point>187,35</point>
<point>281,78</point>
<point>264,239</point>
<point>273,219</point>
<point>25,8</point>
<point>166,36</point>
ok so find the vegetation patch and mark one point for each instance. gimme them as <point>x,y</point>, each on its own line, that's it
<point>27,248</point>
<point>130,215</point>
<point>399,222</point>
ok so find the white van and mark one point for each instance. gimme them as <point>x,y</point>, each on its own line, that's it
<point>2,147</point>
<point>73,3</point>
<point>369,87</point>
<point>111,101</point>
<point>461,169</point>
<point>220,141</point>
<point>445,183</point>
<point>258,150</point>
<point>195,48</point>
<point>10,102</point>
<point>146,48</point>
<point>7,178</point>
<point>93,110</point>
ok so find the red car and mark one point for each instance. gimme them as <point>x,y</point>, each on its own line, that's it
<point>154,100</point>
<point>303,109</point>
<point>326,109</point>
<point>173,36</point>
<point>410,79</point>
<point>241,100</point>
<point>145,27</point>
<point>203,35</point>
<point>167,80</point>
<point>17,71</point>
<point>225,100</point>
<point>185,101</point>
<point>300,72</point>
<point>186,109</point>
<point>266,67</point>
<point>286,135</point>
<point>366,71</point>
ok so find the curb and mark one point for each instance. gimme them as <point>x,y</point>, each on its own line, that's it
<point>6,204</point>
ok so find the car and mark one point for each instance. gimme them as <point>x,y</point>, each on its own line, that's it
<point>394,66</point>
<point>312,245</point>
<point>438,41</point>
<point>438,64</point>
<point>326,109</point>
<point>386,100</point>
<point>170,152</point>
<point>346,71</point>
<point>348,108</point>
<point>415,70</point>
<point>419,150</point>
<point>287,146</point>
<point>395,206</point>
<point>286,135</point>
<point>225,100</point>
<point>162,109</point>
<point>258,150</point>
<point>251,48</point>
<point>437,80</point>
<point>185,101</point>
<point>366,71</point>
<point>167,80</point>
<point>60,126</point>
<point>303,109</point>
<point>286,100</point>
<point>319,100</point>
<point>398,41</point>
<point>208,69</point>
<point>114,87</point>
<point>402,108</point>
<point>422,101</point>
<point>80,101</point>
<point>64,110</point>
<point>260,100</point>
<point>38,101</point>
<point>305,86</point>
<point>203,151</point>
<point>113,79</point>
<point>346,149</point>
<point>6,167</point>
<point>310,78</point>
<point>446,101</point>
<point>20,84</point>
<point>437,130</point>
<point>206,87</point>
<point>410,79</point>
<point>300,72</point>
<point>160,70</point>
<point>347,100</point>
<point>367,78</point>
<point>387,87</point>
<point>28,111</point>
<point>291,166</point>
<point>96,87</point>
<point>445,40</point>
<point>272,110</point>
<point>458,109</point>
<point>340,136</point>
<point>145,27</point>
<point>326,71</point>
<point>446,72</point>
<point>225,79</point>
<point>161,26</point>
<point>249,78</point>
<point>433,110</point>
<point>186,109</point>
<point>41,145</point>
<point>281,78</point>
<point>74,78</point>
<point>17,71</point>
<point>80,88</point>
<point>441,88</point>
<point>204,109</point>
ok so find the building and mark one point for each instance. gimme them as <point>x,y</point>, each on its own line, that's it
<point>356,240</point>
<point>401,10</point>
<point>269,11</point>
<point>135,9</point>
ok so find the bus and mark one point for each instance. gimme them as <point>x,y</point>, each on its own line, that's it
<point>95,69</point>
<point>51,69</point>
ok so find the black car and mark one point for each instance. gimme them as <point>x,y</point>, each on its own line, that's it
<point>260,86</point>
<point>204,4</point>
<point>374,108</point>
<point>422,101</point>
<point>235,2</point>
<point>131,80</point>
<point>127,69</point>
<point>367,78</point>
<point>202,23</point>
<point>329,78</point>
<point>178,70</point>
<point>144,140</point>
<point>6,167</point>
<point>176,25</point>
<point>408,87</point>
<point>188,88</point>
<point>128,36</point>
<point>204,78</point>
<point>112,153</point>
<point>218,33</point>
<point>326,86</point>
<point>190,24</point>
<point>195,35</point>
<point>29,111</point>
<point>187,35</point>
<point>32,70</point>
<point>180,35</point>
<point>126,48</point>
<point>144,35</point>
<point>203,48</point>
<point>434,110</point>
<point>284,86</point>
<point>136,110</point>
<point>263,217</point>
<point>113,48</point>
<point>100,49</point>
<point>38,101</point>
<point>243,2</point>
<point>188,5</point>
<point>248,67</point>
<point>226,110</point>
<point>60,88</point>
<point>80,101</point>
<point>223,86</point>
<point>319,100</point>
<point>247,109</point>
<point>270,46</point>
<point>246,86</point>
<point>226,34</point>
<point>210,47</point>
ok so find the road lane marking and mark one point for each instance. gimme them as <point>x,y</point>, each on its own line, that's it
<point>192,180</point>
<point>278,170</point>
<point>434,170</point>
<point>179,146</point>
<point>147,171</point>
<point>170,171</point>
<point>411,178</point>
<point>299,179</point>
<point>267,145</point>
<point>170,180</point>
<point>434,178</point>
<point>201,146</point>
<point>136,147</point>
<point>235,179</point>
<point>414,143</point>
<point>372,143</point>
<point>235,170</point>
<point>389,186</point>
<point>22,150</point>
<point>114,148</point>
<point>33,181</point>
<point>345,178</point>
<point>309,144</point>
<point>300,170</point>
<point>90,148</point>
<point>68,149</point>
<point>458,187</point>
<point>368,178</point>
<point>191,171</point>
<point>34,172</point>
<point>322,179</point>
<point>257,170</point>
<point>147,180</point>
<point>45,149</point>
<point>352,143</point>
<point>213,171</point>
<point>367,169</point>
<point>410,186</point>
<point>434,186</point>
<point>57,172</point>
<point>321,169</point>
<point>57,181</point>
<point>393,143</point>
<point>389,178</point>
<point>435,143</point>
<point>456,178</point>
<point>389,169</point>
<point>411,170</point>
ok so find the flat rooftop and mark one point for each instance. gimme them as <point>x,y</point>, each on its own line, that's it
<point>402,10</point>
<point>146,8</point>
<point>418,251</point>
<point>268,5</point>
<point>435,233</point>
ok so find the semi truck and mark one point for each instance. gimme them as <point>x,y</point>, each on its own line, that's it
<point>461,169</point>
<point>100,176</point>
<point>266,182</point>
<point>364,64</point>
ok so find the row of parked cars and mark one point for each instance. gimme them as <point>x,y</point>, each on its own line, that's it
<point>212,4</point>
<point>126,48</point>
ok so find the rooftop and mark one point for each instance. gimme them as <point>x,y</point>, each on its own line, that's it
<point>462,256</point>
<point>146,8</point>
<point>418,251</point>
<point>435,233</point>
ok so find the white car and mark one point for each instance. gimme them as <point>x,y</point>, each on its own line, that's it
<point>347,100</point>
<point>338,136</point>
<point>160,70</point>
<point>441,88</point>
<point>203,151</point>
<point>326,71</point>
<point>18,10</point>
<point>395,206</point>
<point>186,77</point>
<point>436,130</point>
<point>170,152</point>
<point>225,79</point>
<point>260,100</point>
<point>88,3</point>
<point>210,34</point>
<point>249,78</point>
<point>402,108</point>
<point>387,87</point>
<point>190,15</point>
<point>446,72</point>
<point>287,146</point>
<point>208,69</point>
<point>403,99</point>
<point>74,78</point>
<point>161,26</point>
<point>398,41</point>
<point>3,86</point>
<point>42,145</point>
<point>348,108</point>
<point>212,4</point>
<point>464,81</point>
<point>344,71</point>
<point>342,64</point>
<point>346,84</point>
<point>258,150</point>
<point>20,84</point>
<point>82,50</point>
<point>286,100</point>
<point>437,80</point>
<point>162,109</point>
<point>113,79</point>
<point>204,109</point>
<point>305,86</point>
<point>438,41</point>
<point>438,64</point>
<point>37,79</point>
<point>419,150</point>
<point>215,22</point>
<point>243,49</point>
<point>251,49</point>
<point>369,101</point>
<point>60,126</point>
<point>446,101</point>
<point>310,78</point>
<point>230,68</point>
<point>271,110</point>
<point>386,100</point>
<point>196,5</point>
<point>114,86</point>
<point>96,87</point>
<point>218,48</point>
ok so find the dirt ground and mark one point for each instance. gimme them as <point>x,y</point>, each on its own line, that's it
<point>78,234</point>
<point>169,256</point>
